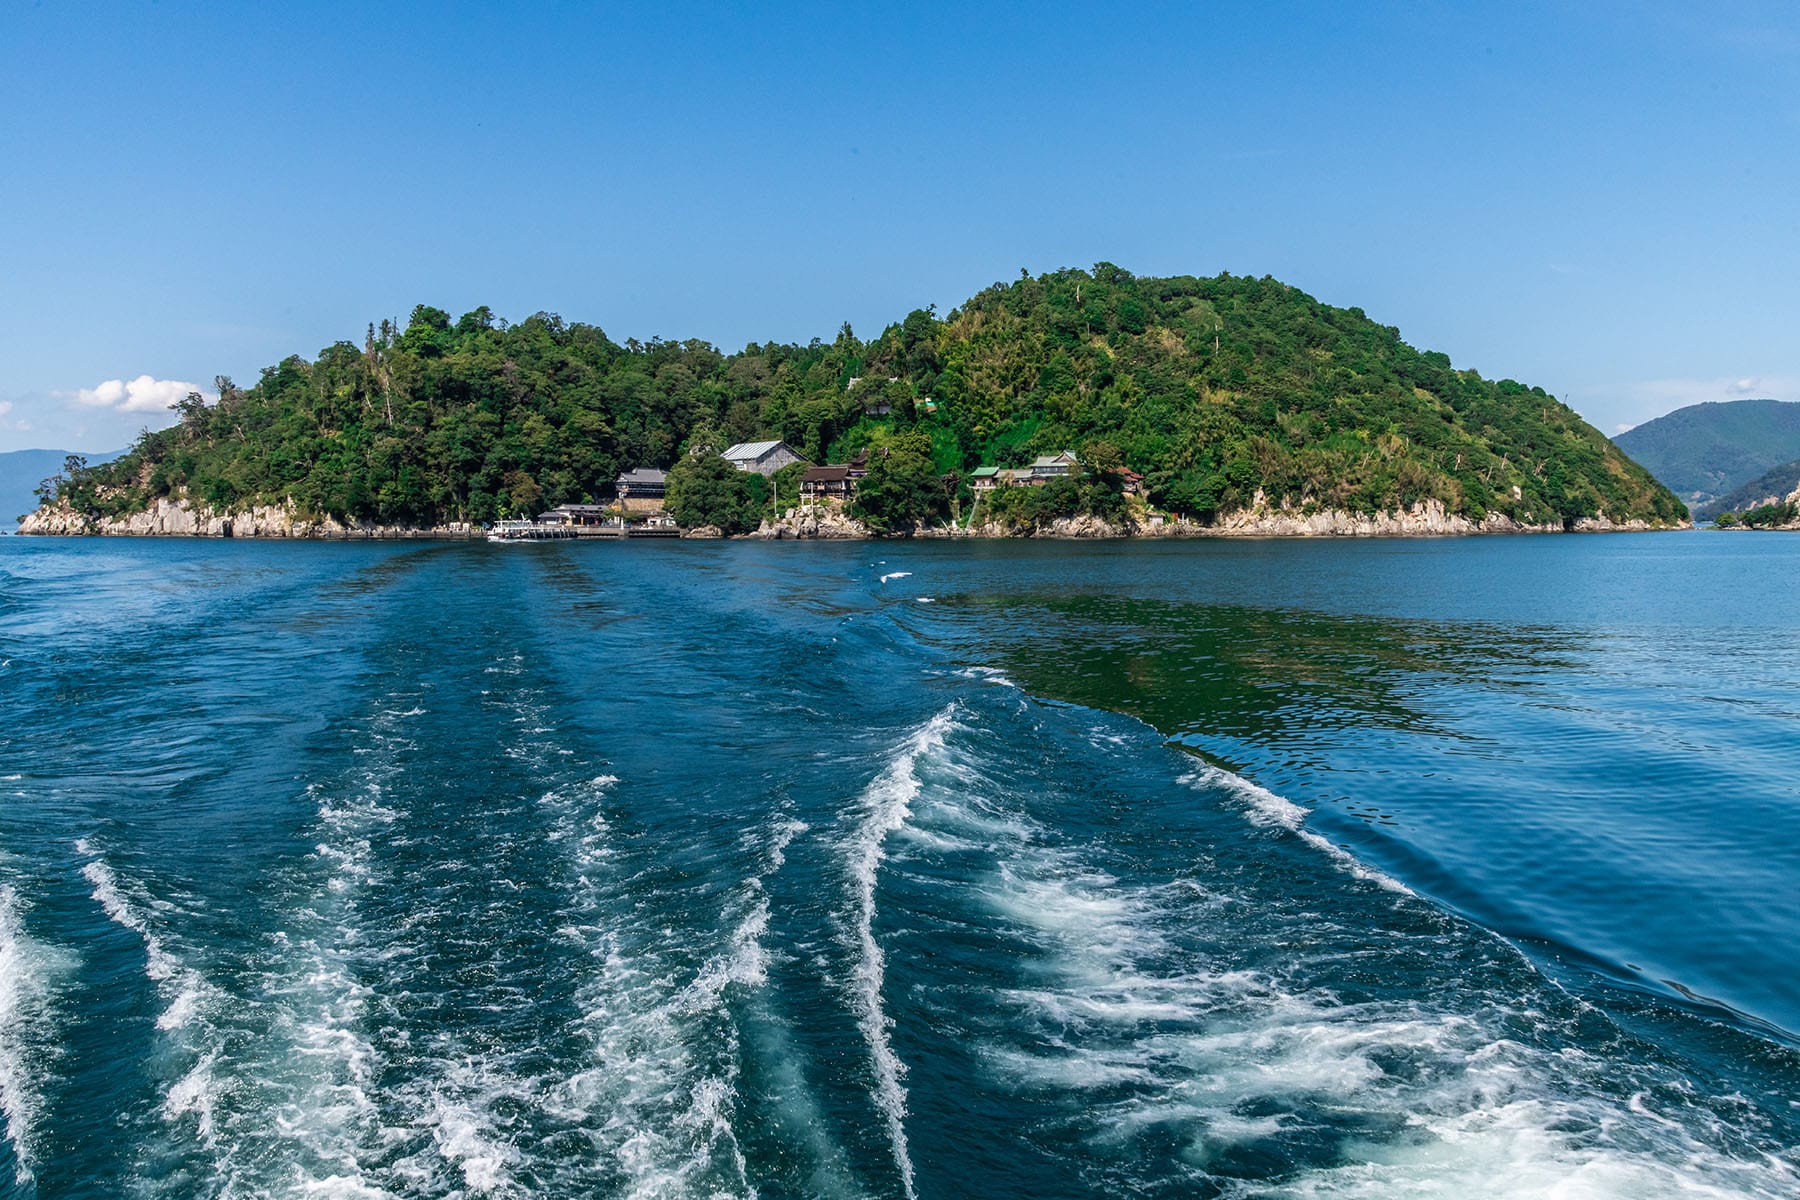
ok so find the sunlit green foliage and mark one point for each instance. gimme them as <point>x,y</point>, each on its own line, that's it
<point>1219,388</point>
<point>1763,516</point>
<point>1028,508</point>
<point>1214,389</point>
<point>903,489</point>
<point>704,489</point>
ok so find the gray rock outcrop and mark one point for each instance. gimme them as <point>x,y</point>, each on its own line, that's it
<point>180,517</point>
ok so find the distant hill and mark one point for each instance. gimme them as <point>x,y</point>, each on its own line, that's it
<point>1705,451</point>
<point>1770,487</point>
<point>22,470</point>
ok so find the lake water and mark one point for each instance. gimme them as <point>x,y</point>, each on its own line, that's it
<point>1450,868</point>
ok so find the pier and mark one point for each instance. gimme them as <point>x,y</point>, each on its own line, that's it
<point>532,531</point>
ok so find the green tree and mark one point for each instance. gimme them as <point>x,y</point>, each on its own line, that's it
<point>786,485</point>
<point>902,489</point>
<point>704,489</point>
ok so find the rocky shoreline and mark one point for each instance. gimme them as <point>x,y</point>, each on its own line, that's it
<point>180,518</point>
<point>1426,519</point>
<point>1736,523</point>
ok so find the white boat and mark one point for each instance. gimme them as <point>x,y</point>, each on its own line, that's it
<point>527,531</point>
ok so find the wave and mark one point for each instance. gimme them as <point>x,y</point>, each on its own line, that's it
<point>346,1092</point>
<point>659,1093</point>
<point>29,971</point>
<point>1266,808</point>
<point>745,961</point>
<point>319,1067</point>
<point>189,998</point>
<point>464,1101</point>
<point>992,675</point>
<point>885,805</point>
<point>278,1083</point>
<point>1233,1070</point>
<point>1148,1019</point>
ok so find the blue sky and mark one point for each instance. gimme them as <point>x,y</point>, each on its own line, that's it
<point>1602,199</point>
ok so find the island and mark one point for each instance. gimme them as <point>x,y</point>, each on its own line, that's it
<point>1077,403</point>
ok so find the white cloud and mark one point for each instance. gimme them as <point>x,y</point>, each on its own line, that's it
<point>5,407</point>
<point>107,395</point>
<point>143,394</point>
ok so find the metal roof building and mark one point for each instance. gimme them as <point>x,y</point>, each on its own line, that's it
<point>765,458</point>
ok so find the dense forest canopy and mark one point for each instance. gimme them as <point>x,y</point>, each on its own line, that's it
<point>1212,388</point>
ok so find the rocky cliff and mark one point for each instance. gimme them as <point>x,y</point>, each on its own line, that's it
<point>828,522</point>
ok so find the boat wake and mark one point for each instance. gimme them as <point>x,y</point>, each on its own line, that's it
<point>1200,1033</point>
<point>884,808</point>
<point>277,1078</point>
<point>1263,807</point>
<point>1026,950</point>
<point>658,1095</point>
<point>30,972</point>
<point>190,1001</point>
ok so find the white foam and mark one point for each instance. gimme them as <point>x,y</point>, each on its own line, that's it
<point>1514,1123</point>
<point>895,575</point>
<point>189,999</point>
<point>658,1093</point>
<point>194,1094</point>
<point>886,804</point>
<point>320,1071</point>
<point>1268,809</point>
<point>286,1094</point>
<point>992,675</point>
<point>1352,865</point>
<point>745,962</point>
<point>1153,1039</point>
<point>1263,807</point>
<point>29,970</point>
<point>457,1108</point>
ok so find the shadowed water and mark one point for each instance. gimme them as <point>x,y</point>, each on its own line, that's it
<point>1460,868</point>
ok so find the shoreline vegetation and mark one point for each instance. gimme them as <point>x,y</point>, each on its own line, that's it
<point>1225,406</point>
<point>1775,511</point>
<point>177,518</point>
<point>1785,515</point>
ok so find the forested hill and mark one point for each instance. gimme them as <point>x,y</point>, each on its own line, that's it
<point>1705,452</point>
<point>1213,388</point>
<point>1773,485</point>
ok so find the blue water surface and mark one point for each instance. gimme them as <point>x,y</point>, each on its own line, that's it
<point>1378,868</point>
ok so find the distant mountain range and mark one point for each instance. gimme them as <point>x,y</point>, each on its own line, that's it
<point>22,470</point>
<point>1706,452</point>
